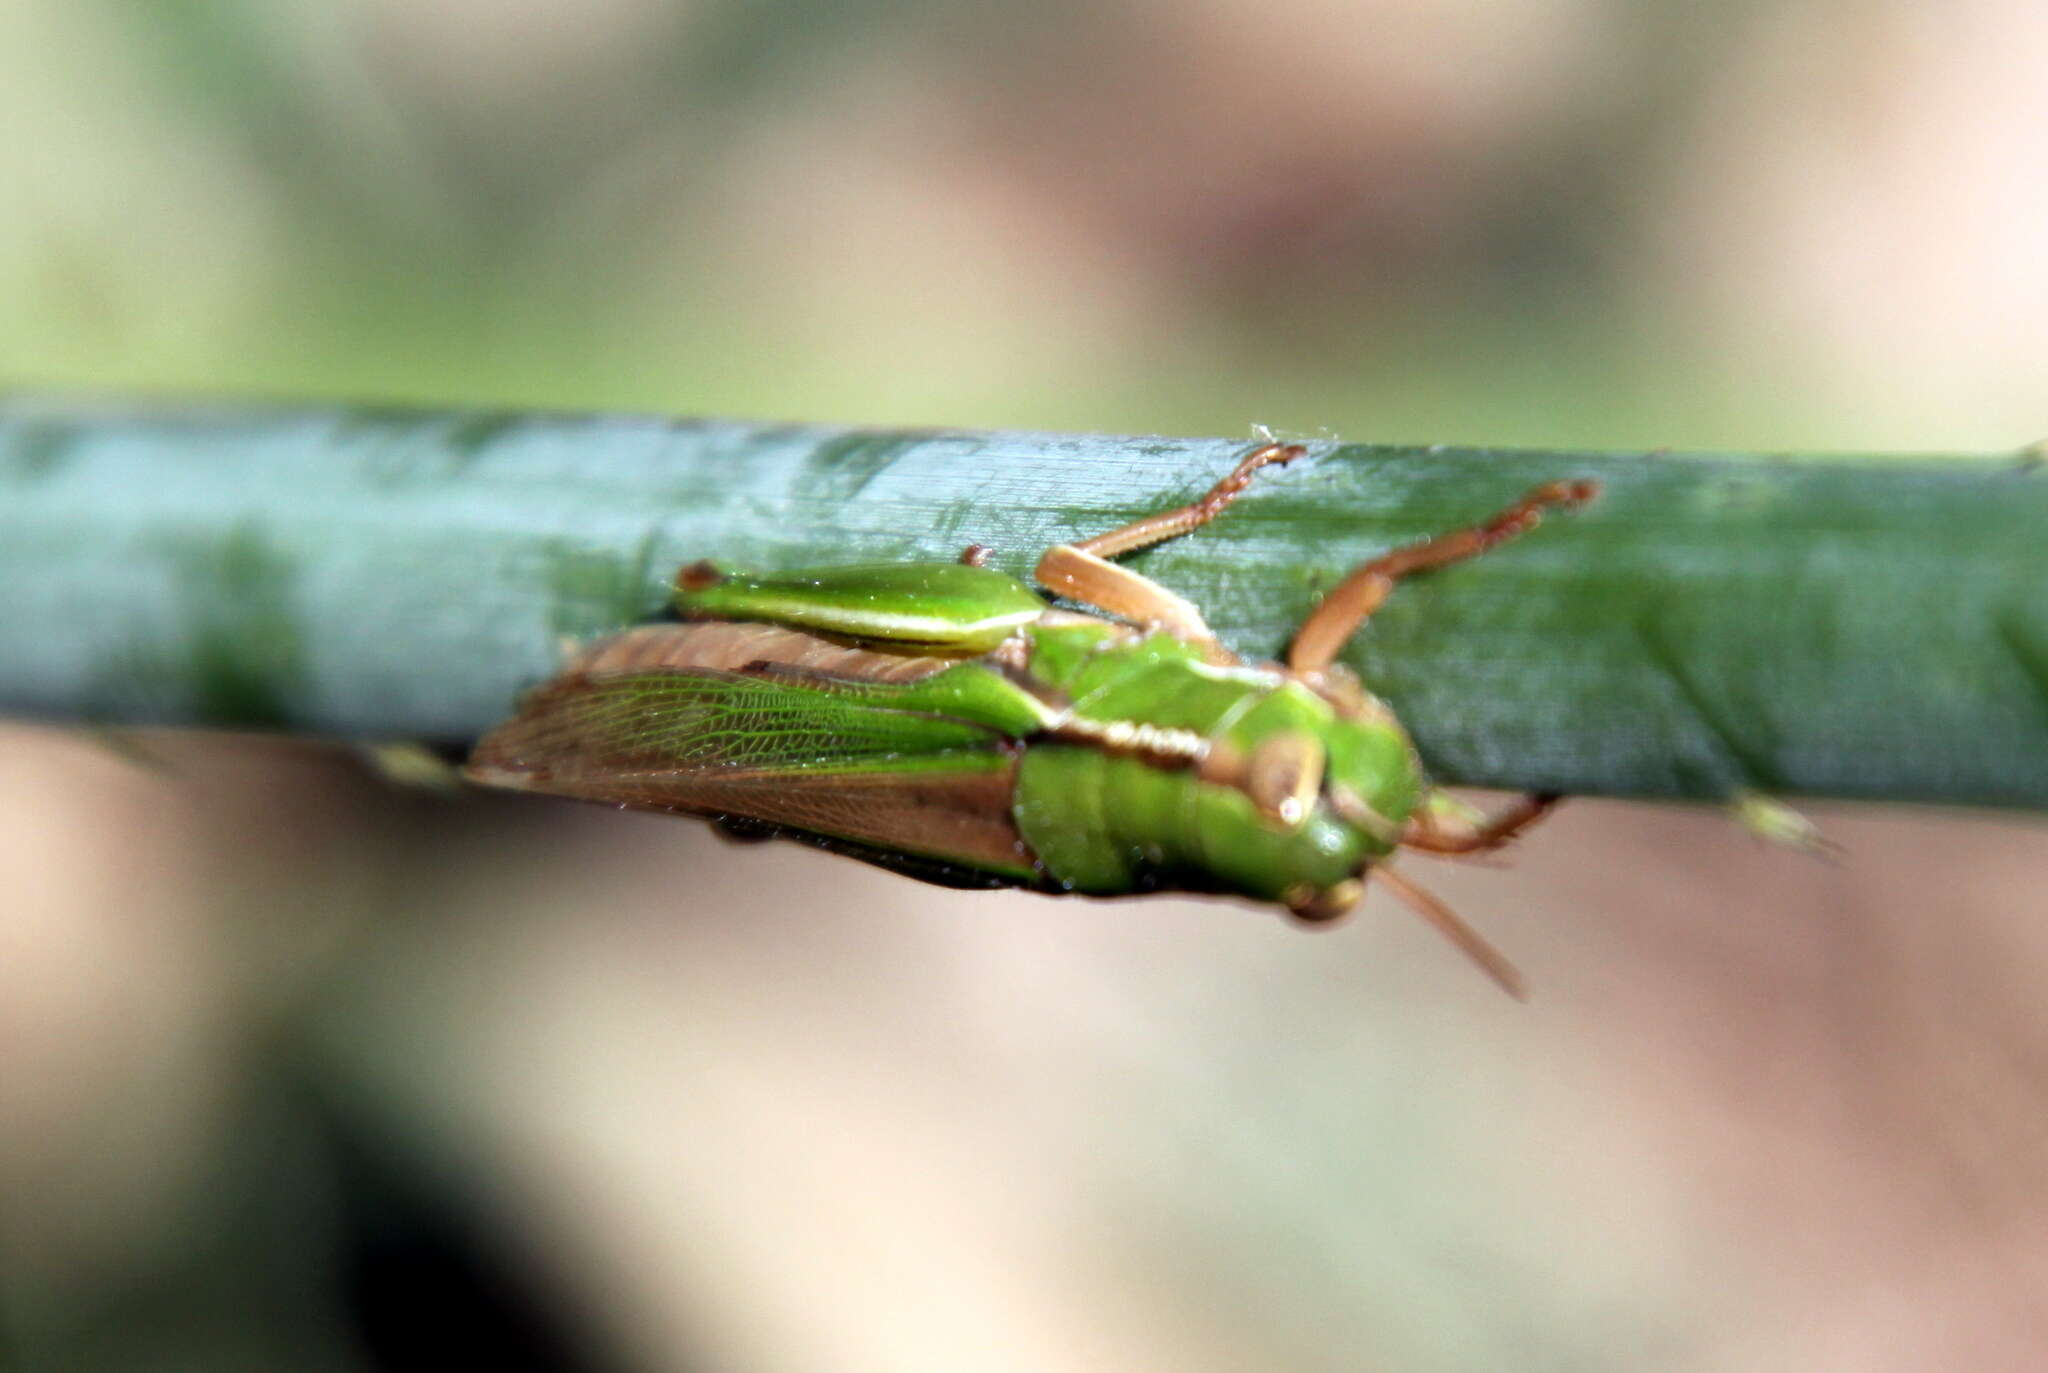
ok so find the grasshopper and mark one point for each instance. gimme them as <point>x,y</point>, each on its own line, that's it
<point>946,721</point>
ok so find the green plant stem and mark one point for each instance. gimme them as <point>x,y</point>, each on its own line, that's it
<point>1852,627</point>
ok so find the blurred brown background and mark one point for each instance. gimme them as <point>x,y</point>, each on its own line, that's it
<point>297,1070</point>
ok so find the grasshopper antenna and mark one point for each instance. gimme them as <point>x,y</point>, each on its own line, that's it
<point>1452,926</point>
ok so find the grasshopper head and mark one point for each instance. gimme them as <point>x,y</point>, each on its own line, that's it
<point>1344,787</point>
<point>1323,787</point>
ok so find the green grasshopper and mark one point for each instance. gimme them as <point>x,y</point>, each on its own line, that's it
<point>943,720</point>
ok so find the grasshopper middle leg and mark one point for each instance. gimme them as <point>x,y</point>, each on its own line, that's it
<point>1323,634</point>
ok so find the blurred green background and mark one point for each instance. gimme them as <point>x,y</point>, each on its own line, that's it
<point>1533,221</point>
<point>300,1071</point>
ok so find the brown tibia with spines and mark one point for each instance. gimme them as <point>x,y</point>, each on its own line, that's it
<point>1168,524</point>
<point>1352,603</point>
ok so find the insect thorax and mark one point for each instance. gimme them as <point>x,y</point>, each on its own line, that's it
<point>1291,789</point>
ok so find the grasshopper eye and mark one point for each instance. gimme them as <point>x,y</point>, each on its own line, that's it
<point>1284,775</point>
